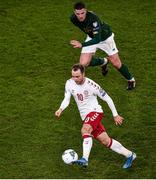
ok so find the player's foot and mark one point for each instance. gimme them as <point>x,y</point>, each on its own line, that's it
<point>104,67</point>
<point>129,161</point>
<point>131,84</point>
<point>81,162</point>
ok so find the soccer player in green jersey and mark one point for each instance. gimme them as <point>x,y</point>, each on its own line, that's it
<point>99,36</point>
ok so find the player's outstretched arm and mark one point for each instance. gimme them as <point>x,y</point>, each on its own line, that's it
<point>117,118</point>
<point>65,102</point>
<point>104,96</point>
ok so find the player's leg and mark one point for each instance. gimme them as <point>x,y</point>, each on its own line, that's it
<point>87,58</point>
<point>110,48</point>
<point>87,140</point>
<point>123,69</point>
<point>103,62</point>
<point>104,139</point>
<point>87,144</point>
<point>117,147</point>
<point>88,131</point>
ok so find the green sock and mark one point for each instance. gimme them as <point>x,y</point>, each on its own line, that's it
<point>96,61</point>
<point>125,72</point>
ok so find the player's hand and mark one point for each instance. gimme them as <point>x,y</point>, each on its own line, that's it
<point>118,120</point>
<point>75,44</point>
<point>58,113</point>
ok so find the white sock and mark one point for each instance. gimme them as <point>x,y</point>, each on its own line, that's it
<point>120,149</point>
<point>105,61</point>
<point>87,145</point>
<point>132,79</point>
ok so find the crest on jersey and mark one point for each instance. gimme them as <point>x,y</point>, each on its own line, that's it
<point>95,24</point>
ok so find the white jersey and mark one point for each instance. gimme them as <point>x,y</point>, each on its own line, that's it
<point>85,96</point>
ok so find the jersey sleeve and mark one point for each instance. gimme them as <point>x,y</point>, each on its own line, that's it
<point>67,96</point>
<point>101,93</point>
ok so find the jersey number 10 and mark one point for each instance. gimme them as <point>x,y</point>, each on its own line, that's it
<point>80,97</point>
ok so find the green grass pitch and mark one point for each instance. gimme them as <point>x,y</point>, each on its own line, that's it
<point>35,62</point>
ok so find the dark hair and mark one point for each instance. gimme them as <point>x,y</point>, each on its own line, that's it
<point>79,5</point>
<point>78,67</point>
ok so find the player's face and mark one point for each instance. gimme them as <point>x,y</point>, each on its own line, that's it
<point>78,77</point>
<point>80,14</point>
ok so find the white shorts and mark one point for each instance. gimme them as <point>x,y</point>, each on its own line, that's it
<point>108,46</point>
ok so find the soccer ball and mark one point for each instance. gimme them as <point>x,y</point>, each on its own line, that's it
<point>69,156</point>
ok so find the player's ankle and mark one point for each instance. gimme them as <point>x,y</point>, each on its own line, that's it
<point>86,158</point>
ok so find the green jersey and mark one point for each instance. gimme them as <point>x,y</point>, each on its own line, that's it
<point>93,27</point>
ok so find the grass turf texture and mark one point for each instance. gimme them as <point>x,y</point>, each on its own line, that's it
<point>35,62</point>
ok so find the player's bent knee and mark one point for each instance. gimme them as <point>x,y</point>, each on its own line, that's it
<point>105,142</point>
<point>85,59</point>
<point>104,139</point>
<point>86,129</point>
<point>84,63</point>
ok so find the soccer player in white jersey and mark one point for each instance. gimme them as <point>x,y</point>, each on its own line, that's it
<point>85,92</point>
